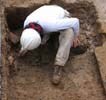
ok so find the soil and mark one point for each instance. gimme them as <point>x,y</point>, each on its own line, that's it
<point>81,77</point>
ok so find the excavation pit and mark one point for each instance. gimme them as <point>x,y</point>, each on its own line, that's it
<point>31,80</point>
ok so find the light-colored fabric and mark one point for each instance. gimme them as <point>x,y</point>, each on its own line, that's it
<point>65,42</point>
<point>30,39</point>
<point>44,13</point>
<point>61,24</point>
<point>53,18</point>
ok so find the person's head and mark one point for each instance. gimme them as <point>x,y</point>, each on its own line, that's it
<point>30,39</point>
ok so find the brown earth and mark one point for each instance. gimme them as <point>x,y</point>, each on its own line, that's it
<point>100,53</point>
<point>31,80</point>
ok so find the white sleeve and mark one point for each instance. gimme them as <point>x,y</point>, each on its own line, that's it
<point>65,23</point>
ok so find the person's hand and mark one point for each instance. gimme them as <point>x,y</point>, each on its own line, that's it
<point>22,53</point>
<point>45,39</point>
<point>76,42</point>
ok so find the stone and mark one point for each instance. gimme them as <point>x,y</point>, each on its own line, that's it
<point>69,1</point>
<point>103,26</point>
<point>11,60</point>
<point>100,53</point>
<point>14,38</point>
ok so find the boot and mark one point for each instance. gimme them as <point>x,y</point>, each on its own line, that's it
<point>57,75</point>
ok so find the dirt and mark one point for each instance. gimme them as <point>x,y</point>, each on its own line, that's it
<point>81,77</point>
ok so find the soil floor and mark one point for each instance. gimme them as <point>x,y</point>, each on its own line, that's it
<point>81,79</point>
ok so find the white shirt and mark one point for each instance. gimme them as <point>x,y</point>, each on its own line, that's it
<point>53,18</point>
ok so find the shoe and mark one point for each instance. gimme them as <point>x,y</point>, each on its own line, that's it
<point>57,75</point>
<point>79,50</point>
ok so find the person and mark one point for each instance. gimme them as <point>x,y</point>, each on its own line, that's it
<point>41,23</point>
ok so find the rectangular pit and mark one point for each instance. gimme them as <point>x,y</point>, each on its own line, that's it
<point>31,80</point>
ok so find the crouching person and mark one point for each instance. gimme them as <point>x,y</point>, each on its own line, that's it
<point>43,21</point>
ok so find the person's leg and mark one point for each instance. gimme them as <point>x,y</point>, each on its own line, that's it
<point>65,42</point>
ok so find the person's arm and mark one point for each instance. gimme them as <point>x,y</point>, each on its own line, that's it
<point>45,39</point>
<point>62,24</point>
<point>76,42</point>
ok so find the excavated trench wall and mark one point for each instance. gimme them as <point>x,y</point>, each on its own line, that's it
<point>15,16</point>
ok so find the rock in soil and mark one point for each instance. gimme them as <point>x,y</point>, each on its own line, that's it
<point>14,38</point>
<point>100,53</point>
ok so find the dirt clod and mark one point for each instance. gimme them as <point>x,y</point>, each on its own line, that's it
<point>14,38</point>
<point>11,60</point>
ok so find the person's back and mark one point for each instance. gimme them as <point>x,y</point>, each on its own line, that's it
<point>52,18</point>
<point>45,13</point>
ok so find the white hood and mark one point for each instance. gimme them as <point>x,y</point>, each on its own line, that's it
<point>30,39</point>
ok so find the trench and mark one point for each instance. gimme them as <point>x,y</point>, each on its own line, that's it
<point>30,79</point>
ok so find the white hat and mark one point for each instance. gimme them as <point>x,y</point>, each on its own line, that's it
<point>30,39</point>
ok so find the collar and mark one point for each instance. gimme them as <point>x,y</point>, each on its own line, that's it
<point>35,26</point>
